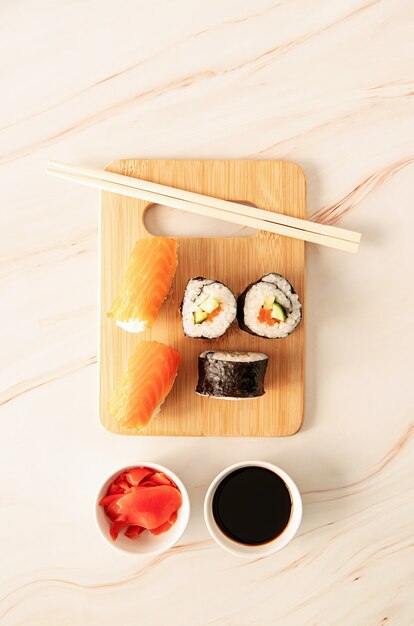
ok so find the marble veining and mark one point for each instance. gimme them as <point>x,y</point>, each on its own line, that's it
<point>327,84</point>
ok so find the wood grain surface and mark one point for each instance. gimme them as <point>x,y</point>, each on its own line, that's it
<point>272,185</point>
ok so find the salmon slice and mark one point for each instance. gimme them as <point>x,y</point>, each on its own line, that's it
<point>141,390</point>
<point>149,273</point>
<point>149,508</point>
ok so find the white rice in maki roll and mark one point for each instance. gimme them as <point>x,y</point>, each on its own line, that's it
<point>231,375</point>
<point>269,308</point>
<point>208,308</point>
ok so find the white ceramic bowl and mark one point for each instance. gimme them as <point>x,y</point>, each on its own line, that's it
<point>146,543</point>
<point>270,547</point>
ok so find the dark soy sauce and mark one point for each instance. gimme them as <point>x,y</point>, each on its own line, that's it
<point>252,505</point>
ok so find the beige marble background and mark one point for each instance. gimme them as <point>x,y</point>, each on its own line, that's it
<point>326,83</point>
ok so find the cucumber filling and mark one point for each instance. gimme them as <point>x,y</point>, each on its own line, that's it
<point>209,304</point>
<point>204,309</point>
<point>199,316</point>
<point>277,312</point>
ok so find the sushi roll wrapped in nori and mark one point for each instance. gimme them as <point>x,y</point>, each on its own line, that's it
<point>269,308</point>
<point>231,375</point>
<point>208,308</point>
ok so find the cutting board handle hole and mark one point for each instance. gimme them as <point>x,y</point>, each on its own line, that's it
<point>167,222</point>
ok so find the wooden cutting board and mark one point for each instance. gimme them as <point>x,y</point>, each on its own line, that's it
<point>272,185</point>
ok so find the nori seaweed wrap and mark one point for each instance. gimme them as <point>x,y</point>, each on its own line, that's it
<point>269,308</point>
<point>231,375</point>
<point>208,308</point>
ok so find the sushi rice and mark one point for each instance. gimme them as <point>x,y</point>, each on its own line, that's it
<point>196,292</point>
<point>251,301</point>
<point>143,387</point>
<point>133,325</point>
<point>145,285</point>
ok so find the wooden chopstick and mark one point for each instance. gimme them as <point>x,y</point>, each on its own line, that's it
<point>208,206</point>
<point>217,203</point>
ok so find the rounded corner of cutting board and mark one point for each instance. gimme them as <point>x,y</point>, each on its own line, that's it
<point>297,427</point>
<point>296,167</point>
<point>211,178</point>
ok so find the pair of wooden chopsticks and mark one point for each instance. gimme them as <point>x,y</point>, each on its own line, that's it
<point>208,206</point>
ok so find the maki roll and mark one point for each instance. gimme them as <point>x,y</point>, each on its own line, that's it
<point>269,308</point>
<point>208,308</point>
<point>231,375</point>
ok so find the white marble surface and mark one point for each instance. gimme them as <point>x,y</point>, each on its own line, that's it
<point>328,84</point>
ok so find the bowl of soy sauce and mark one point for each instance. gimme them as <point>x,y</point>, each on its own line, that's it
<point>253,509</point>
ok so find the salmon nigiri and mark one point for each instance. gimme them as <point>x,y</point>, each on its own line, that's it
<point>142,389</point>
<point>150,269</point>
